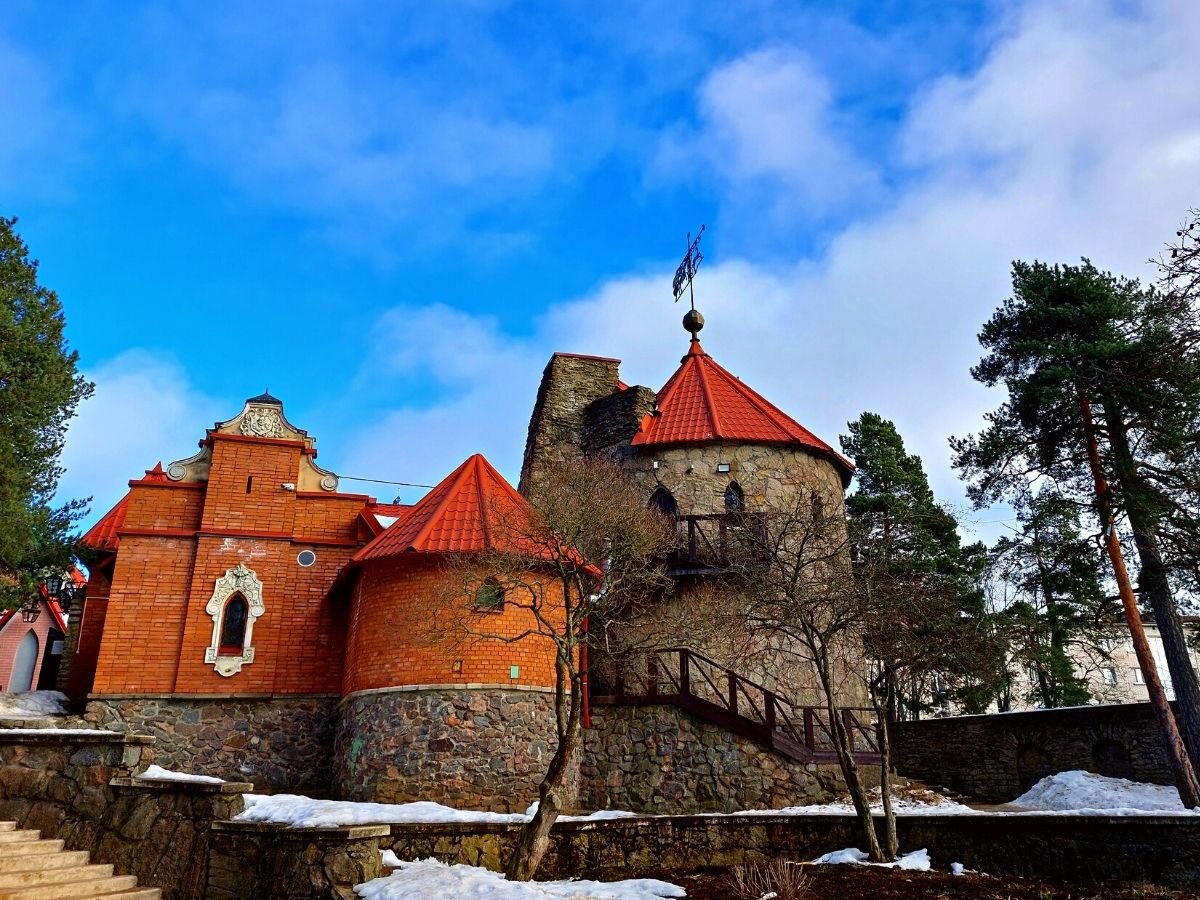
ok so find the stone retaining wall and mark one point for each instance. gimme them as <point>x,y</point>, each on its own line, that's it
<point>279,743</point>
<point>484,748</point>
<point>1163,850</point>
<point>659,758</point>
<point>995,758</point>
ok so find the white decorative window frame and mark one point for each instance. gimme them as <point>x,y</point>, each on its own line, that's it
<point>238,580</point>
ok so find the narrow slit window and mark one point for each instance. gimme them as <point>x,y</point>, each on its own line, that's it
<point>735,499</point>
<point>233,625</point>
<point>249,483</point>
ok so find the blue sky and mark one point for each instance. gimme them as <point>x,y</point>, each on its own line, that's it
<point>391,216</point>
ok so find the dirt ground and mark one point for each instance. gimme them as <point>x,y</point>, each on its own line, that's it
<point>866,883</point>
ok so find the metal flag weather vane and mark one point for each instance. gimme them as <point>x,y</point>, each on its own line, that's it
<point>687,269</point>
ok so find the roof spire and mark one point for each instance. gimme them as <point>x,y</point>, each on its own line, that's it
<point>684,275</point>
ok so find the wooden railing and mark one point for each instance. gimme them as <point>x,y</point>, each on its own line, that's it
<point>687,679</point>
<point>708,542</point>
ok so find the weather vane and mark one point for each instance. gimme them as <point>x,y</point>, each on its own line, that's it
<point>687,269</point>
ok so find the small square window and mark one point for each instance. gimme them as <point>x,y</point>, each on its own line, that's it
<point>1110,676</point>
<point>490,596</point>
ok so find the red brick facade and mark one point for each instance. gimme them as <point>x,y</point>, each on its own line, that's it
<point>147,624</point>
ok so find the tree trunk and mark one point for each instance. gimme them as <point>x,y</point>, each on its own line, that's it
<point>844,749</point>
<point>1181,766</point>
<point>891,839</point>
<point>535,836</point>
<point>1152,579</point>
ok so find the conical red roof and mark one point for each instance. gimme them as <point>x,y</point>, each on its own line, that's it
<point>460,515</point>
<point>704,402</point>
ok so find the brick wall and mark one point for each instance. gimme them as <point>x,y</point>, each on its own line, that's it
<point>180,537</point>
<point>408,628</point>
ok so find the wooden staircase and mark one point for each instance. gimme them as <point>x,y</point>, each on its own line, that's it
<point>34,868</point>
<point>681,677</point>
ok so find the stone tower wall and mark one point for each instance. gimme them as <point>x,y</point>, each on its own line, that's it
<point>569,384</point>
<point>610,422</point>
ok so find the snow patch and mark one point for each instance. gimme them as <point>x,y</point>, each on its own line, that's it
<point>158,773</point>
<point>32,704</point>
<point>1085,793</point>
<point>306,812</point>
<point>429,879</point>
<point>916,861</point>
<point>60,732</point>
<point>390,859</point>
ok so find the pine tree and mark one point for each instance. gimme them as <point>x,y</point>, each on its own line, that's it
<point>39,391</point>
<point>1092,362</point>
<point>1057,601</point>
<point>927,583</point>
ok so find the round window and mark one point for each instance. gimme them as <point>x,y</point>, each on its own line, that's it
<point>306,558</point>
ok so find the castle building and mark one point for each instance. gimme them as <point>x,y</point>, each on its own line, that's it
<point>264,624</point>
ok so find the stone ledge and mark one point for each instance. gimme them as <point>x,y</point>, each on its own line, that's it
<point>214,697</point>
<point>187,787</point>
<point>49,736</point>
<point>279,829</point>
<point>470,686</point>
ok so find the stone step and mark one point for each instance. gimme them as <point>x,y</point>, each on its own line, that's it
<point>138,894</point>
<point>96,887</point>
<point>16,837</point>
<point>43,861</point>
<point>12,880</point>
<point>30,848</point>
<point>8,826</point>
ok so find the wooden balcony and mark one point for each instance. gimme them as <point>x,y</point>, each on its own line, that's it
<point>706,544</point>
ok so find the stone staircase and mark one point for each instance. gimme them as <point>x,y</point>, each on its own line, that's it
<point>33,868</point>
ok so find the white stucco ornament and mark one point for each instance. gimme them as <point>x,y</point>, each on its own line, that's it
<point>238,580</point>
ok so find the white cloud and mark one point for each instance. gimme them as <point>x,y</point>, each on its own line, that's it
<point>770,119</point>
<point>1076,135</point>
<point>143,407</point>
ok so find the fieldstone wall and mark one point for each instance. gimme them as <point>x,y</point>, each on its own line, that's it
<point>611,422</point>
<point>656,759</point>
<point>483,748</point>
<point>77,787</point>
<point>279,743</point>
<point>1162,850</point>
<point>569,383</point>
<point>995,758</point>
<point>251,861</point>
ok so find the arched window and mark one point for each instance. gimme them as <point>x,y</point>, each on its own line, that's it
<point>664,501</point>
<point>233,625</point>
<point>490,596</point>
<point>735,500</point>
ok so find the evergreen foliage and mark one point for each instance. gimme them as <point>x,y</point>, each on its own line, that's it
<point>1057,602</point>
<point>1072,335</point>
<point>925,610</point>
<point>39,391</point>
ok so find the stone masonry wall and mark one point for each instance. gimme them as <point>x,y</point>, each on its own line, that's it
<point>656,759</point>
<point>480,748</point>
<point>278,743</point>
<point>77,787</point>
<point>569,383</point>
<point>612,421</point>
<point>1161,850</point>
<point>996,758</point>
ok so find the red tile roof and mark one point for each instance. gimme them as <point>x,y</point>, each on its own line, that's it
<point>703,402</point>
<point>104,535</point>
<point>457,516</point>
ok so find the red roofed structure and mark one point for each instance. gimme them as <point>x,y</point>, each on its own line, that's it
<point>106,534</point>
<point>458,516</point>
<point>704,402</point>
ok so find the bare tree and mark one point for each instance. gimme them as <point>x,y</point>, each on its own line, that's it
<point>583,556</point>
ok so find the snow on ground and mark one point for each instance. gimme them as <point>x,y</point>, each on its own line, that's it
<point>32,704</point>
<point>917,861</point>
<point>905,802</point>
<point>1085,793</point>
<point>305,812</point>
<point>429,879</point>
<point>390,859</point>
<point>158,773</point>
